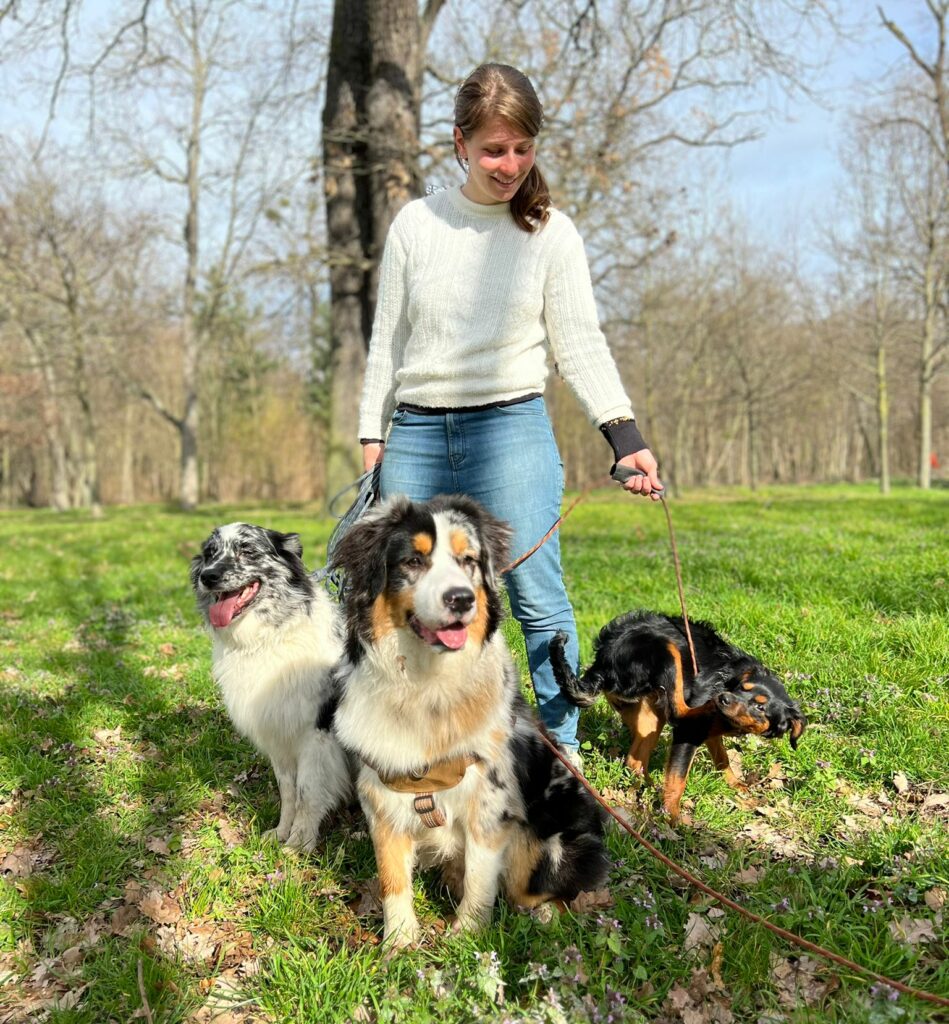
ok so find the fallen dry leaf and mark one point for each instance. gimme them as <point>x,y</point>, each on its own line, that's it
<point>913,930</point>
<point>935,898</point>
<point>369,900</point>
<point>937,803</point>
<point>799,980</point>
<point>701,1003</point>
<point>228,833</point>
<point>594,899</point>
<point>159,846</point>
<point>122,920</point>
<point>18,863</point>
<point>160,908</point>
<point>750,876</point>
<point>700,933</point>
<point>901,783</point>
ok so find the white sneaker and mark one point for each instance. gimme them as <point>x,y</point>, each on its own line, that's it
<point>574,757</point>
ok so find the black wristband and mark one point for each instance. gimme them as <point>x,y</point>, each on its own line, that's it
<point>624,437</point>
<point>371,440</point>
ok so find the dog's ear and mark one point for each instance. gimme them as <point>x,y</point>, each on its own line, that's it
<point>286,543</point>
<point>362,550</point>
<point>195,570</point>
<point>798,725</point>
<point>495,544</point>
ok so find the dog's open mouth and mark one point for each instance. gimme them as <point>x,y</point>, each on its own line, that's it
<point>453,636</point>
<point>230,604</point>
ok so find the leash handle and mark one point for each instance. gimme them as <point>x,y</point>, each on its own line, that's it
<point>623,473</point>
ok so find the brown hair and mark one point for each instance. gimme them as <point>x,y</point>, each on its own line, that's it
<point>498,90</point>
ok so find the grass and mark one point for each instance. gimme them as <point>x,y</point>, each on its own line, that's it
<point>130,813</point>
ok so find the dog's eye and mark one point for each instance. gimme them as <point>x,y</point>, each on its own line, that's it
<point>414,562</point>
<point>470,563</point>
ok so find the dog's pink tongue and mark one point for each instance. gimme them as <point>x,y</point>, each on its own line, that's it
<point>222,612</point>
<point>453,637</point>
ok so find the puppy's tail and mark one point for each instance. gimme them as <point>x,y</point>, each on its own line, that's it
<point>580,691</point>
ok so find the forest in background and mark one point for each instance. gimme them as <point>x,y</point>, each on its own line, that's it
<point>180,320</point>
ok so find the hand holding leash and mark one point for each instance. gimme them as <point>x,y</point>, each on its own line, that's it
<point>639,474</point>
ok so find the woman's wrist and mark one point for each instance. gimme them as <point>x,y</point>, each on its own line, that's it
<point>623,436</point>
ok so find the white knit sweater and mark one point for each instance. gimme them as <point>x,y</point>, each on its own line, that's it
<point>469,306</point>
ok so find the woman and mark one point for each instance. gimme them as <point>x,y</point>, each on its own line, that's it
<point>477,285</point>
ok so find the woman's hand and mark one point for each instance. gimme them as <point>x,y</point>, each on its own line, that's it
<point>649,485</point>
<point>372,453</point>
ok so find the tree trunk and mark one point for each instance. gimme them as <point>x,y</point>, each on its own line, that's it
<point>370,158</point>
<point>189,486</point>
<point>127,487</point>
<point>349,230</point>
<point>883,418</point>
<point>928,347</point>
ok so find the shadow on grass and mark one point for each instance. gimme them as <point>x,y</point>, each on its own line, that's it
<point>102,763</point>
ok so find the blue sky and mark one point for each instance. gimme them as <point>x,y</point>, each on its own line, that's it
<point>785,182</point>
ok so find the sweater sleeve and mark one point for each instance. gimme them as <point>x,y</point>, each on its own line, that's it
<point>390,331</point>
<point>576,342</point>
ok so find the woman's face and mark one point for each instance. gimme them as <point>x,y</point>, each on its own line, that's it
<point>499,158</point>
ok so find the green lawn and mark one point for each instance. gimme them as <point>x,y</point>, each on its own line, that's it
<point>130,813</point>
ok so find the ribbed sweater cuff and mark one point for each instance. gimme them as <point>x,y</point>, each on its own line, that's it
<point>624,437</point>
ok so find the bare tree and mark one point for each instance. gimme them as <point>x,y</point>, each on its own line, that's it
<point>60,249</point>
<point>201,112</point>
<point>869,277</point>
<point>922,113</point>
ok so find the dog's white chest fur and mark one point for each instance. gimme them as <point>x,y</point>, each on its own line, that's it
<point>273,680</point>
<point>400,706</point>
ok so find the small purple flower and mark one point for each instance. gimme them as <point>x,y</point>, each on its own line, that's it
<point>275,876</point>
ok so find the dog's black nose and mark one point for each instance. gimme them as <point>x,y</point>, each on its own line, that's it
<point>458,599</point>
<point>210,578</point>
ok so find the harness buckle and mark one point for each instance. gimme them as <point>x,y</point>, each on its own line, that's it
<point>424,804</point>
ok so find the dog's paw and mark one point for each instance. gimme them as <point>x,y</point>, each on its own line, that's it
<point>470,919</point>
<point>399,939</point>
<point>302,841</point>
<point>274,835</point>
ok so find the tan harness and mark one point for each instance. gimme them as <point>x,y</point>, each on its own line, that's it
<point>431,779</point>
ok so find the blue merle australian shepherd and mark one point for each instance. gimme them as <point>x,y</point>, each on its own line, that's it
<point>275,639</point>
<point>454,771</point>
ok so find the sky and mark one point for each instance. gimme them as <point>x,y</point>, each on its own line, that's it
<point>786,181</point>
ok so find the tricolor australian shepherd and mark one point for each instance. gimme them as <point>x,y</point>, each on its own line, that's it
<point>454,770</point>
<point>275,638</point>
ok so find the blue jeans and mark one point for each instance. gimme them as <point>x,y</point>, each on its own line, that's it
<point>507,459</point>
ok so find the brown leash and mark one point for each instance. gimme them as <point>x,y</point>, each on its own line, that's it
<point>620,474</point>
<point>789,936</point>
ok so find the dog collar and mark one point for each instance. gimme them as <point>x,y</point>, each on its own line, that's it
<point>428,781</point>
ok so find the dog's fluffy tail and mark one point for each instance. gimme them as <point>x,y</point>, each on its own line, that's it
<point>581,691</point>
<point>563,850</point>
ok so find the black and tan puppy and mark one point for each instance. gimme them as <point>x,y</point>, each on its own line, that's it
<point>643,667</point>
